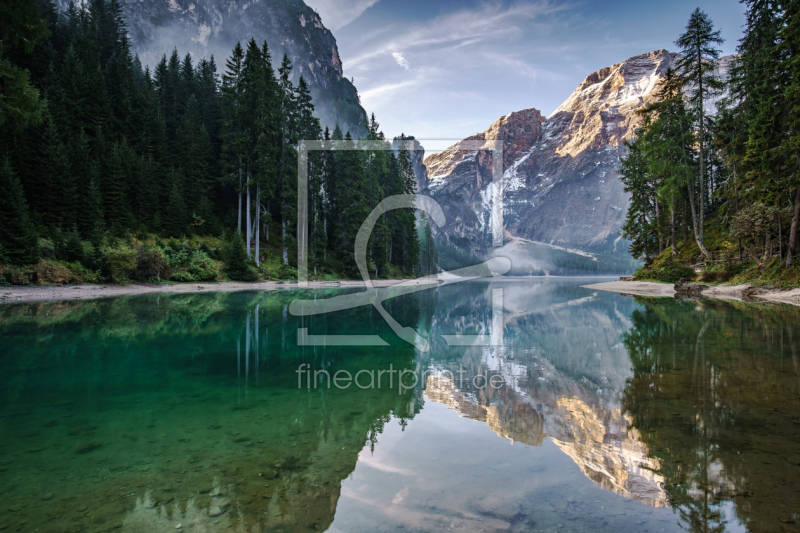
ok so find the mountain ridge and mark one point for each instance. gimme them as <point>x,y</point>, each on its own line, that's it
<point>559,173</point>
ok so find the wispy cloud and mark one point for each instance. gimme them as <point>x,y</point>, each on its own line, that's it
<point>403,62</point>
<point>466,62</point>
<point>488,23</point>
<point>371,97</point>
<point>339,13</point>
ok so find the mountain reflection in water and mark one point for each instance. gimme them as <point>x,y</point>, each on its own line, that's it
<point>616,414</point>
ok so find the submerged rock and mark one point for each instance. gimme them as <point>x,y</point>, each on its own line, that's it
<point>88,447</point>
<point>215,511</point>
<point>685,289</point>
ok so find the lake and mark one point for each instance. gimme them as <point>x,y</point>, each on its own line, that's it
<point>525,405</point>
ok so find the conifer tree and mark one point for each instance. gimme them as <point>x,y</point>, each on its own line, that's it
<point>22,28</point>
<point>18,237</point>
<point>175,219</point>
<point>91,215</point>
<point>376,168</point>
<point>407,235</point>
<point>145,199</point>
<point>195,154</point>
<point>233,135</point>
<point>56,193</point>
<point>73,89</point>
<point>640,224</point>
<point>790,48</point>
<point>698,69</point>
<point>333,193</point>
<point>117,176</point>
<point>666,140</point>
<point>287,158</point>
<point>428,255</point>
<point>309,129</point>
<point>237,266</point>
<point>354,208</point>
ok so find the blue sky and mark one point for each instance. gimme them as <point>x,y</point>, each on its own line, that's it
<point>444,69</point>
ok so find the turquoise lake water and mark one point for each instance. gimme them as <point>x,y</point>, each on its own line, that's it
<point>566,409</point>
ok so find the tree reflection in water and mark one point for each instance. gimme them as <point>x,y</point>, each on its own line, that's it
<point>715,395</point>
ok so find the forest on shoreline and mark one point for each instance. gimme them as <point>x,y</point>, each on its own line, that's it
<point>112,171</point>
<point>714,170</point>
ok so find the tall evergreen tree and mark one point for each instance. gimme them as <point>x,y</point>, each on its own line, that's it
<point>354,208</point>
<point>22,27</point>
<point>18,239</point>
<point>175,218</point>
<point>640,224</point>
<point>287,158</point>
<point>698,69</point>
<point>233,134</point>
<point>790,51</point>
<point>408,238</point>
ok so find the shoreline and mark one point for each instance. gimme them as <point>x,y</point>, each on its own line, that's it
<point>745,292</point>
<point>92,291</point>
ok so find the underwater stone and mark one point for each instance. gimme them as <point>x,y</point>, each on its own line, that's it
<point>88,447</point>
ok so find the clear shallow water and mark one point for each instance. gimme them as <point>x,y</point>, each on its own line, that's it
<point>610,414</point>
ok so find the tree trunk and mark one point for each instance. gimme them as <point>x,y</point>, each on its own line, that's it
<point>672,231</point>
<point>249,229</point>
<point>697,234</point>
<point>736,198</point>
<point>767,245</point>
<point>239,225</point>
<point>646,239</point>
<point>793,230</point>
<point>283,241</point>
<point>258,223</point>
<point>780,235</point>
<point>660,236</point>
<point>697,237</point>
<point>702,207</point>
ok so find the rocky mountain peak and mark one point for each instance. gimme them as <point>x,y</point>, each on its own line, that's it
<point>518,131</point>
<point>560,178</point>
<point>602,110</point>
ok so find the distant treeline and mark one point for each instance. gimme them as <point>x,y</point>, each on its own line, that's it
<point>98,146</point>
<point>737,167</point>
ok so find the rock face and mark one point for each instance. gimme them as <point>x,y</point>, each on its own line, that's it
<point>560,180</point>
<point>684,289</point>
<point>206,27</point>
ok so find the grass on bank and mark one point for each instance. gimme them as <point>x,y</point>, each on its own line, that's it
<point>149,258</point>
<point>727,269</point>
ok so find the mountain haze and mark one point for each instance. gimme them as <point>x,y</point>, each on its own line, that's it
<point>213,27</point>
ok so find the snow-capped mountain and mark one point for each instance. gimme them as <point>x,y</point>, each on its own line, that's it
<point>560,180</point>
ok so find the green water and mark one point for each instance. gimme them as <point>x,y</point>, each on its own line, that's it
<point>609,414</point>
